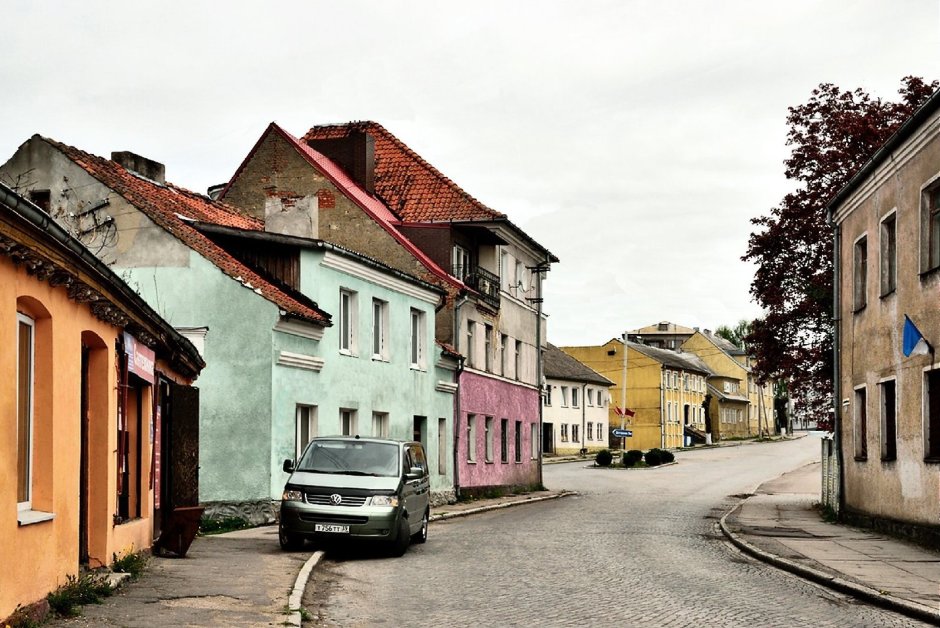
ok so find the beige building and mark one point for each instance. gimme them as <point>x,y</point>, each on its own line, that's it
<point>887,256</point>
<point>574,406</point>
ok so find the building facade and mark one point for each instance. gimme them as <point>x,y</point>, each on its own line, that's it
<point>574,406</point>
<point>887,256</point>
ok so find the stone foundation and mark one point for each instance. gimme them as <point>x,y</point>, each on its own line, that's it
<point>254,512</point>
<point>442,498</point>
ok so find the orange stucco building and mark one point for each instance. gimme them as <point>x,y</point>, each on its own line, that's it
<point>87,410</point>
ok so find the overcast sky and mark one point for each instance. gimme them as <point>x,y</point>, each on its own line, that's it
<point>634,140</point>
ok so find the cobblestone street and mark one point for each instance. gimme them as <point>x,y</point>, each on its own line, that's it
<point>635,547</point>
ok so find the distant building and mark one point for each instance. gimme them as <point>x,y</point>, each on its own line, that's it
<point>662,335</point>
<point>575,405</point>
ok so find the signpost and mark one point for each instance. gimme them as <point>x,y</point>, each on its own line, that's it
<point>622,433</point>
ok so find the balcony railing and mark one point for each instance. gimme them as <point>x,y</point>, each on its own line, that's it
<point>481,280</point>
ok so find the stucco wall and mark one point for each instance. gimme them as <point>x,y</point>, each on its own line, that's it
<point>486,396</point>
<point>557,413</point>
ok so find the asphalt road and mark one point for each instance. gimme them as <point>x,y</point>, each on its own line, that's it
<point>635,548</point>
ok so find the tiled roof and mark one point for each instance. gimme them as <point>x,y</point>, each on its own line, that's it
<point>559,365</point>
<point>409,185</point>
<point>683,361</point>
<point>723,396</point>
<point>170,207</point>
<point>372,206</point>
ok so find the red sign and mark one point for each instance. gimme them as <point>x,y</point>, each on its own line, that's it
<point>140,359</point>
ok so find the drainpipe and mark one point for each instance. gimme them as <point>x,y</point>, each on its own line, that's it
<point>837,360</point>
<point>538,359</point>
<point>583,412</point>
<point>456,336</point>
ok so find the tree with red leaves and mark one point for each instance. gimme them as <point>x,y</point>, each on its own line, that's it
<point>832,135</point>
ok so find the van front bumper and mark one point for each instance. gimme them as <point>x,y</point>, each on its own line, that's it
<point>365,522</point>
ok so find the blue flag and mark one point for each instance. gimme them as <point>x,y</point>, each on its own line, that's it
<point>914,341</point>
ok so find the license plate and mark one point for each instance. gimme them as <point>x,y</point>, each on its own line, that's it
<point>327,527</point>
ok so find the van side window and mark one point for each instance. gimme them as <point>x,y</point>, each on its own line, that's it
<point>408,460</point>
<point>420,460</point>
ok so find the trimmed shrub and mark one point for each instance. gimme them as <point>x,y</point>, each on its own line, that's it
<point>628,460</point>
<point>635,454</point>
<point>667,456</point>
<point>653,457</point>
<point>603,458</point>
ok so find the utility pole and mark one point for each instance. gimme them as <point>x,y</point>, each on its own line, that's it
<point>623,393</point>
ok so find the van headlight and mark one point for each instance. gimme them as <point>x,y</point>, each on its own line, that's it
<point>384,500</point>
<point>291,495</point>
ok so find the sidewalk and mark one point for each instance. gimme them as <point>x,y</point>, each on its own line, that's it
<point>780,525</point>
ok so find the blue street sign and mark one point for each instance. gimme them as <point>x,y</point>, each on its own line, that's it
<point>618,433</point>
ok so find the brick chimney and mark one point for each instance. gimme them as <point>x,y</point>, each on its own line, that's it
<point>354,153</point>
<point>147,168</point>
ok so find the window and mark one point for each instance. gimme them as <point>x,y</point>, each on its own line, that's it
<point>417,339</point>
<point>488,347</point>
<point>521,283</point>
<point>461,262</point>
<point>488,441</point>
<point>504,440</point>
<point>471,438</point>
<point>503,355</point>
<point>861,425</point>
<point>347,322</point>
<point>932,220</point>
<point>379,329</point>
<point>518,360</point>
<point>600,398</point>
<point>348,422</point>
<point>889,255</point>
<point>932,418</point>
<point>442,446</point>
<point>534,444</point>
<point>505,269</point>
<point>306,430</point>
<point>24,411</point>
<point>889,421</point>
<point>564,432</point>
<point>470,340</point>
<point>548,395</point>
<point>685,381</point>
<point>575,397</point>
<point>590,431</point>
<point>564,396</point>
<point>600,431</point>
<point>518,441</point>
<point>861,272</point>
<point>574,433</point>
<point>380,424</point>
<point>590,397</point>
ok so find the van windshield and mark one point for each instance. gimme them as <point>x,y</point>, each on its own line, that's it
<point>351,458</point>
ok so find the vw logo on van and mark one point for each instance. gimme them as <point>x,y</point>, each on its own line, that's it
<point>336,499</point>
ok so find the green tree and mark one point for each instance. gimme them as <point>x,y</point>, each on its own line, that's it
<point>735,335</point>
<point>832,135</point>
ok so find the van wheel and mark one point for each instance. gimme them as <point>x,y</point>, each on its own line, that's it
<point>401,542</point>
<point>289,542</point>
<point>421,536</point>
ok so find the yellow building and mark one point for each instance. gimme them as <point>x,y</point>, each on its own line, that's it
<point>665,390</point>
<point>738,406</point>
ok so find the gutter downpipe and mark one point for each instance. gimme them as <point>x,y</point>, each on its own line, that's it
<point>837,361</point>
<point>583,413</point>
<point>456,335</point>
<point>538,365</point>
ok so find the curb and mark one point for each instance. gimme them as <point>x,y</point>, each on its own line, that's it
<point>295,600</point>
<point>472,511</point>
<point>861,591</point>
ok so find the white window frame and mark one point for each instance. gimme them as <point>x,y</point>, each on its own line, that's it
<point>348,321</point>
<point>353,428</point>
<point>470,340</point>
<point>564,396</point>
<point>380,424</point>
<point>380,330</point>
<point>860,258</point>
<point>590,397</point>
<point>471,438</point>
<point>30,410</point>
<point>503,356</point>
<point>488,429</point>
<point>575,397</point>
<point>518,360</point>
<point>535,444</point>
<point>305,419</point>
<point>488,347</point>
<point>418,339</point>
<point>460,260</point>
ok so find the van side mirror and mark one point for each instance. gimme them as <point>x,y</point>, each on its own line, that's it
<point>414,473</point>
<point>288,466</point>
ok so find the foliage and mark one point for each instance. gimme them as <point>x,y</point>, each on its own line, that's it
<point>603,458</point>
<point>22,617</point>
<point>667,456</point>
<point>635,454</point>
<point>735,335</point>
<point>221,525</point>
<point>832,135</point>
<point>131,563</point>
<point>628,461</point>
<point>87,589</point>
<point>654,457</point>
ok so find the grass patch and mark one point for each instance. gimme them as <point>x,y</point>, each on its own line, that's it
<point>132,563</point>
<point>220,525</point>
<point>76,592</point>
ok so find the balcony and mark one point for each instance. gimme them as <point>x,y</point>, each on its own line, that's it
<point>481,280</point>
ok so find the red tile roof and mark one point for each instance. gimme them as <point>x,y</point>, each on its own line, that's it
<point>372,206</point>
<point>410,186</point>
<point>170,207</point>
